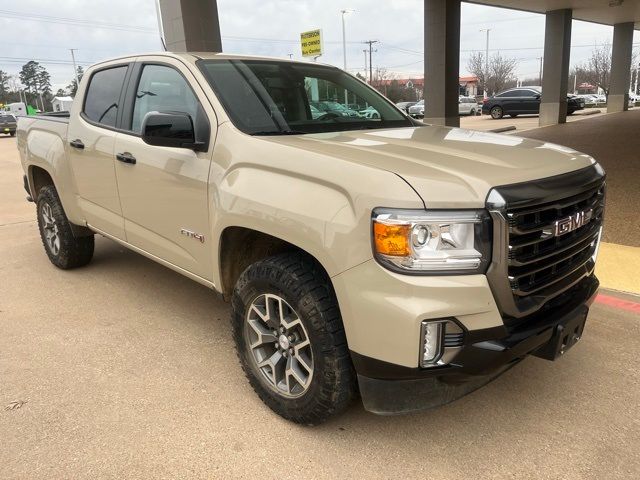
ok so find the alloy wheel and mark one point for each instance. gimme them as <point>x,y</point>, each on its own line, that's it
<point>50,228</point>
<point>279,345</point>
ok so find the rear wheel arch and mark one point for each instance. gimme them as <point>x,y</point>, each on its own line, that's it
<point>38,178</point>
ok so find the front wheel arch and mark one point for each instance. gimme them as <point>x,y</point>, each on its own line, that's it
<point>240,247</point>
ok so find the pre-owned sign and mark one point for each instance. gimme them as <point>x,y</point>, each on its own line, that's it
<point>311,43</point>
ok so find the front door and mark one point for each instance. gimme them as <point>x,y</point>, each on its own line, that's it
<point>164,194</point>
<point>91,138</point>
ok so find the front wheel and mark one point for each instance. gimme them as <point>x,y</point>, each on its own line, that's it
<point>290,339</point>
<point>62,247</point>
<point>496,113</point>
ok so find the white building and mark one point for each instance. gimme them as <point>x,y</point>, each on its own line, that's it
<point>62,104</point>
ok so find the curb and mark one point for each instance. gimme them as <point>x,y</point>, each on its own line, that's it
<point>503,129</point>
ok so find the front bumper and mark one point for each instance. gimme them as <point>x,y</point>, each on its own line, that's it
<point>489,347</point>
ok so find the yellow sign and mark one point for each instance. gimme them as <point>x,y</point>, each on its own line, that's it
<point>311,43</point>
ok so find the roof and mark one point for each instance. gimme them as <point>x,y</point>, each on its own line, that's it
<point>597,11</point>
<point>64,99</point>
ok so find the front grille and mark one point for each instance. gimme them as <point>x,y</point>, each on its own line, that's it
<point>538,260</point>
<point>535,259</point>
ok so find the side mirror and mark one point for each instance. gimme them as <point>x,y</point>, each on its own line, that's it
<point>170,130</point>
<point>537,96</point>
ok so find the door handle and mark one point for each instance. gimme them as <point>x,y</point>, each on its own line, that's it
<point>126,157</point>
<point>77,143</point>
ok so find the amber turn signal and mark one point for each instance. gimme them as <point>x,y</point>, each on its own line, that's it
<point>392,239</point>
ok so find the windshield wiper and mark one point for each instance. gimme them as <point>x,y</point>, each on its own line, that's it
<point>279,132</point>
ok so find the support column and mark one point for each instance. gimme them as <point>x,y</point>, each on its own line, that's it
<point>618,99</point>
<point>557,48</point>
<point>441,61</point>
<point>191,25</point>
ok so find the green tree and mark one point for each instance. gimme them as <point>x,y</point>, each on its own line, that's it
<point>72,88</point>
<point>4,86</point>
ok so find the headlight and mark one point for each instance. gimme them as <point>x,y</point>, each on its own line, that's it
<point>432,242</point>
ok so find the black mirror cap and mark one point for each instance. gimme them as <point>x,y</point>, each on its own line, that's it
<point>172,129</point>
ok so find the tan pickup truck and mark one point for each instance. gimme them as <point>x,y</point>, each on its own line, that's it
<point>361,253</point>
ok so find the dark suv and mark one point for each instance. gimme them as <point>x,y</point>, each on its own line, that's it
<point>7,123</point>
<point>523,100</point>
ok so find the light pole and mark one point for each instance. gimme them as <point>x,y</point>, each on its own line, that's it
<point>344,12</point>
<point>540,74</point>
<point>486,61</point>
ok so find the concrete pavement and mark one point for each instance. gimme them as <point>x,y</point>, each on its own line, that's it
<point>521,122</point>
<point>125,369</point>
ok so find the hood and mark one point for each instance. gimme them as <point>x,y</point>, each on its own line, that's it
<point>447,167</point>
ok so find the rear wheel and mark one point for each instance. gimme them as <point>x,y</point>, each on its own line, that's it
<point>496,112</point>
<point>63,249</point>
<point>290,339</point>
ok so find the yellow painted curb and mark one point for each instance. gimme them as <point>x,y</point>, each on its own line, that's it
<point>618,267</point>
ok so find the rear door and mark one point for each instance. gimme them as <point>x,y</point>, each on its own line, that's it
<point>530,101</point>
<point>164,194</point>
<point>91,136</point>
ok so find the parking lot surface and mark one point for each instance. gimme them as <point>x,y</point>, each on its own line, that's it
<point>125,369</point>
<point>521,122</point>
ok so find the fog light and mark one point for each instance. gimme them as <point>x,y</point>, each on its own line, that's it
<point>431,334</point>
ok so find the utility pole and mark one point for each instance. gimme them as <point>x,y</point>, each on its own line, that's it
<point>635,86</point>
<point>540,74</point>
<point>370,43</point>
<point>486,62</point>
<point>75,68</point>
<point>365,64</point>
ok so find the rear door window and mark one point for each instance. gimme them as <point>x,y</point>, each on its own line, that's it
<point>102,99</point>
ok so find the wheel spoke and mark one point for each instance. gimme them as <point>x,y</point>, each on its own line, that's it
<point>262,332</point>
<point>293,370</point>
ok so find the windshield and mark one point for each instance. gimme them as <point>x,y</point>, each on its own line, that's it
<point>269,97</point>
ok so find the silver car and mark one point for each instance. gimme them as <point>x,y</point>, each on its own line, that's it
<point>417,110</point>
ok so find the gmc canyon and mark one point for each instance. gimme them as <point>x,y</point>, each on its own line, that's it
<point>407,263</point>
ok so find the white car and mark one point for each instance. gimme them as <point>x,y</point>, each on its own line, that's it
<point>467,106</point>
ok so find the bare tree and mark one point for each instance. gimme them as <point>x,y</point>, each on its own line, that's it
<point>499,75</point>
<point>597,69</point>
<point>476,66</point>
<point>501,71</point>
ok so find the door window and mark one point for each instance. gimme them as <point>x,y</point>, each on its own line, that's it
<point>103,95</point>
<point>162,89</point>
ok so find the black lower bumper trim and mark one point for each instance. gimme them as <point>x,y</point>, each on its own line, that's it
<point>388,389</point>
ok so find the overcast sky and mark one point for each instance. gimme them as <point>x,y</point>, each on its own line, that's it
<point>99,29</point>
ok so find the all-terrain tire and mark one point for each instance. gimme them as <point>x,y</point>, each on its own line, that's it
<point>306,288</point>
<point>63,249</point>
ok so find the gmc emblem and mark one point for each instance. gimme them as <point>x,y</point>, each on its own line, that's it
<point>570,223</point>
